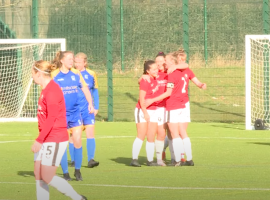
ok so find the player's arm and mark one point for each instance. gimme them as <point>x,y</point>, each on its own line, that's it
<point>87,93</point>
<point>143,107</point>
<point>180,66</point>
<point>95,93</point>
<point>160,97</point>
<point>144,77</point>
<point>198,83</point>
<point>52,113</point>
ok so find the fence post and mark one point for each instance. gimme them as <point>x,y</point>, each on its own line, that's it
<point>122,34</point>
<point>205,32</point>
<point>109,60</point>
<point>266,61</point>
<point>35,35</point>
<point>185,28</point>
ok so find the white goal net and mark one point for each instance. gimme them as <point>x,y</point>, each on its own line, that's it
<point>257,79</point>
<point>18,94</point>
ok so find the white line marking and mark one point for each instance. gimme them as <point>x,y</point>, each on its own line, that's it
<point>117,137</point>
<point>234,138</point>
<point>2,142</point>
<point>102,137</point>
<point>151,187</point>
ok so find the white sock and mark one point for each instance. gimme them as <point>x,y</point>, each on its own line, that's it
<point>159,147</point>
<point>166,143</point>
<point>65,188</point>
<point>42,190</point>
<point>137,145</point>
<point>187,146</point>
<point>150,151</point>
<point>182,150</point>
<point>171,149</point>
<point>177,145</point>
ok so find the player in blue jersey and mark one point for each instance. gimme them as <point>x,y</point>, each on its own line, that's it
<point>71,81</point>
<point>88,118</point>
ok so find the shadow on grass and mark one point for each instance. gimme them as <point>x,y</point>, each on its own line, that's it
<point>260,143</point>
<point>217,110</point>
<point>26,173</point>
<point>126,161</point>
<point>234,126</point>
<point>135,99</point>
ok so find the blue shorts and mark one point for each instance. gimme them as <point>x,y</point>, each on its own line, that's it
<point>74,120</point>
<point>87,118</point>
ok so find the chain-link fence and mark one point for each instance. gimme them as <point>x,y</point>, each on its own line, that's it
<point>211,31</point>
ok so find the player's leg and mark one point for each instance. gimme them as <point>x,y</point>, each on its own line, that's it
<point>64,160</point>
<point>141,126</point>
<point>184,120</point>
<point>77,139</point>
<point>71,150</point>
<point>150,143</point>
<point>42,188</point>
<point>169,136</point>
<point>53,153</point>
<point>89,124</point>
<point>161,134</point>
<point>166,144</point>
<point>75,124</point>
<point>173,123</point>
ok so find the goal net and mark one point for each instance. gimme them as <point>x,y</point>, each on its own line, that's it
<point>18,94</point>
<point>257,79</point>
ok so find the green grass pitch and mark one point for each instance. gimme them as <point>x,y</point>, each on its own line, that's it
<point>230,163</point>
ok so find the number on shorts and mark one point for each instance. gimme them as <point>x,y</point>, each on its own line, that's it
<point>49,151</point>
<point>184,87</point>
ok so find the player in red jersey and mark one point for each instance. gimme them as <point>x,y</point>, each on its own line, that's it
<point>174,105</point>
<point>52,141</point>
<point>145,117</point>
<point>187,75</point>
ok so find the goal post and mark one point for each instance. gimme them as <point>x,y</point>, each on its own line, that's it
<point>18,93</point>
<point>257,49</point>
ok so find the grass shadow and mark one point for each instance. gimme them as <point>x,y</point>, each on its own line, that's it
<point>126,161</point>
<point>260,143</point>
<point>26,173</point>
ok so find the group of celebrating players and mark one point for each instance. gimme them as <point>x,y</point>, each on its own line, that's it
<point>65,104</point>
<point>164,105</point>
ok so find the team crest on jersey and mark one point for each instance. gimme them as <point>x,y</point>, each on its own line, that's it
<point>73,78</point>
<point>186,75</point>
<point>152,84</point>
<point>86,76</point>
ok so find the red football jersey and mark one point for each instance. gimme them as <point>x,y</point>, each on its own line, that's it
<point>162,80</point>
<point>51,115</point>
<point>176,100</point>
<point>151,91</point>
<point>187,75</point>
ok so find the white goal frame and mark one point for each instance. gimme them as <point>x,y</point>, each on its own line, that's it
<point>61,41</point>
<point>248,62</point>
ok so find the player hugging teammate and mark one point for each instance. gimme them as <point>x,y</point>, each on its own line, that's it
<point>169,107</point>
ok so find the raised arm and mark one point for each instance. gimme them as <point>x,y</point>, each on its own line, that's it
<point>198,83</point>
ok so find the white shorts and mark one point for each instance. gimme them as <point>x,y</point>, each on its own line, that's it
<point>139,116</point>
<point>161,115</point>
<point>175,116</point>
<point>51,153</point>
<point>186,113</point>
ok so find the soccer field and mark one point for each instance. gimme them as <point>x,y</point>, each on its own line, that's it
<point>230,163</point>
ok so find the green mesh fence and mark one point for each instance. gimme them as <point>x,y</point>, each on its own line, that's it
<point>216,45</point>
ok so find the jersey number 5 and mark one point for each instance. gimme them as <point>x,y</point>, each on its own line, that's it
<point>49,151</point>
<point>184,86</point>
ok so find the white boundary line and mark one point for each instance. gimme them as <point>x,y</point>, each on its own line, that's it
<point>151,187</point>
<point>116,137</point>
